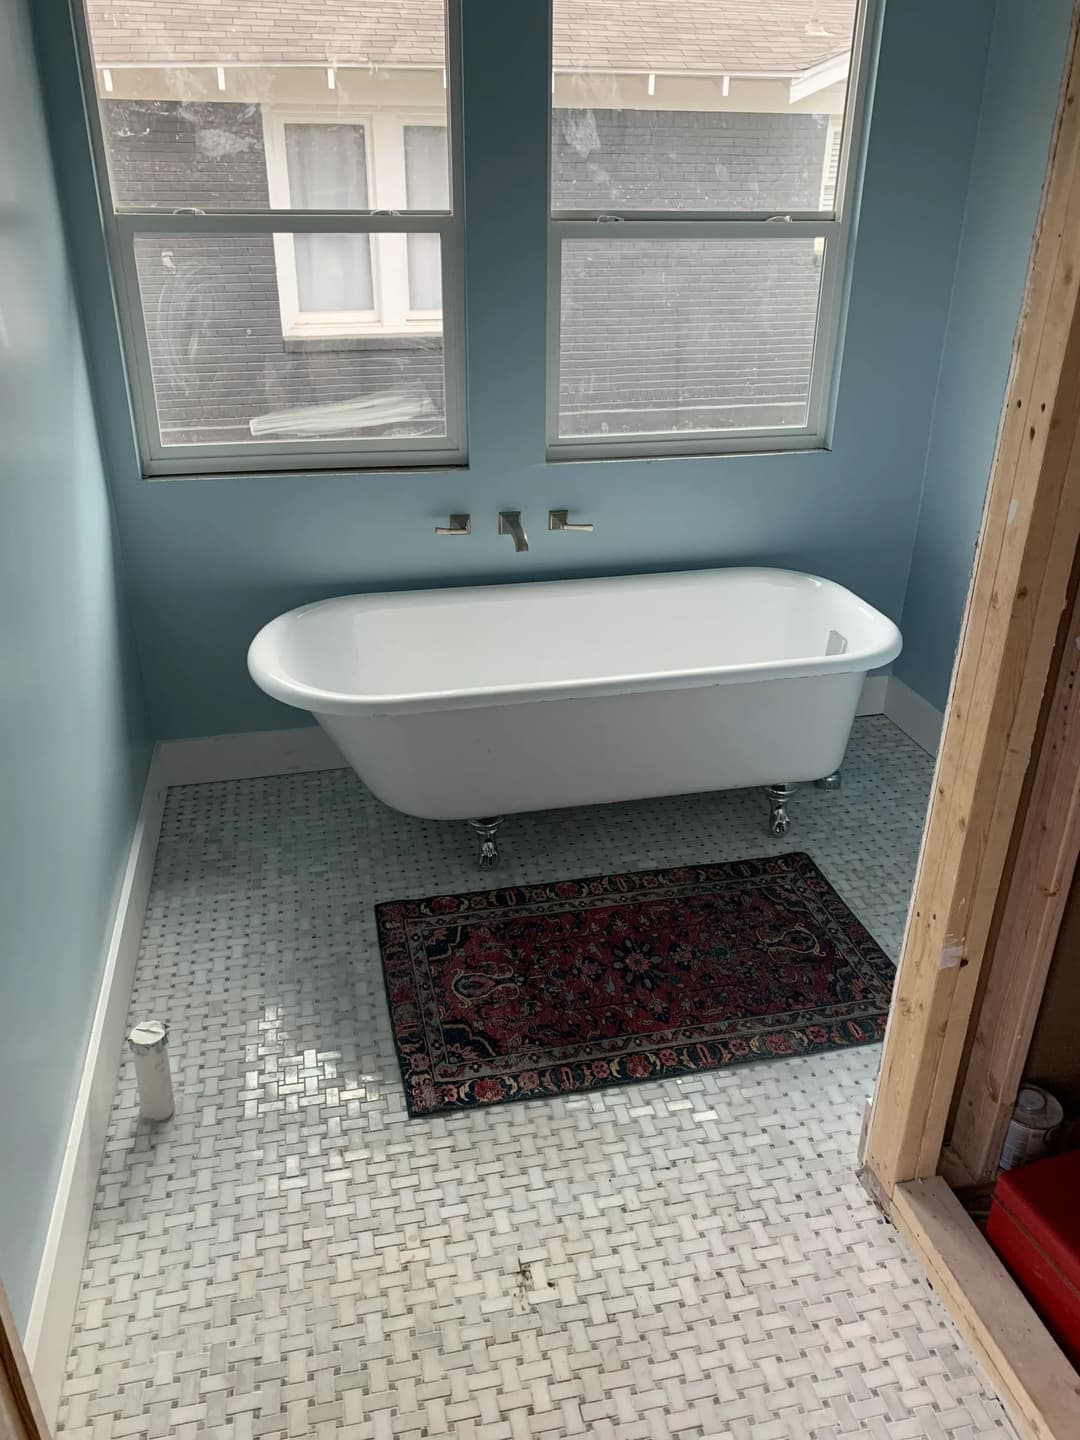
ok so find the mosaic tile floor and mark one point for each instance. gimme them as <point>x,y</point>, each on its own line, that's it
<point>290,1255</point>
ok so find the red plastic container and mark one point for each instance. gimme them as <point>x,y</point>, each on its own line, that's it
<point>1034,1226</point>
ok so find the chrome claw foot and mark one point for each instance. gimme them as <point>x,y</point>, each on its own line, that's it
<point>779,819</point>
<point>829,782</point>
<point>486,832</point>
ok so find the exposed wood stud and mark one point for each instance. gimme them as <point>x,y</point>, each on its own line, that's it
<point>1031,525</point>
<point>1030,921</point>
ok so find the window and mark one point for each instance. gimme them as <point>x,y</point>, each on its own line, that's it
<point>326,169</point>
<point>354,285</point>
<point>700,222</point>
<point>283,191</point>
<point>284,230</point>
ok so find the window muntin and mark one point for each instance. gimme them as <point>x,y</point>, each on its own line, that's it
<point>260,176</point>
<point>699,224</point>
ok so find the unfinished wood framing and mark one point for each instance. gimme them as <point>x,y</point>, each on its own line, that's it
<point>1029,1371</point>
<point>21,1416</point>
<point>1031,526</point>
<point>1002,836</point>
<point>1024,945</point>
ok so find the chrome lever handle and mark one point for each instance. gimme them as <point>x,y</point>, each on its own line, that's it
<point>560,520</point>
<point>459,525</point>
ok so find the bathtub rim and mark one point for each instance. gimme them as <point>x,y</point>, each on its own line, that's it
<point>280,686</point>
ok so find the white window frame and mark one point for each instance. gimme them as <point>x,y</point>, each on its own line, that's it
<point>832,232</point>
<point>384,158</point>
<point>124,224</point>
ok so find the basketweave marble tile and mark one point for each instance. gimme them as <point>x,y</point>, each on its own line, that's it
<point>291,1255</point>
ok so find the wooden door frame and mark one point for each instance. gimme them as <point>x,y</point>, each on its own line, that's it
<point>1033,1378</point>
<point>1019,588</point>
<point>1002,835</point>
<point>21,1416</point>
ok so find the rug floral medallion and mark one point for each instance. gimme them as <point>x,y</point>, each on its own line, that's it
<point>538,990</point>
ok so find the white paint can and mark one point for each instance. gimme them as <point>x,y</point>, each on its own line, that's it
<point>150,1045</point>
<point>1036,1116</point>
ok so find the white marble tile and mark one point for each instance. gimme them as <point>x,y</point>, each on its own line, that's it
<point>291,1255</point>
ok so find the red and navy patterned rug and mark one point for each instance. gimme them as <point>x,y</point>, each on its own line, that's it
<point>539,990</point>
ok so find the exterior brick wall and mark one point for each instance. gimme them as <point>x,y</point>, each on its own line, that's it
<point>686,160</point>
<point>656,335</point>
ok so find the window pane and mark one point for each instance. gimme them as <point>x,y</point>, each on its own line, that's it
<point>225,370</point>
<point>716,105</point>
<point>427,188</point>
<point>333,272</point>
<point>327,167</point>
<point>673,337</point>
<point>189,90</point>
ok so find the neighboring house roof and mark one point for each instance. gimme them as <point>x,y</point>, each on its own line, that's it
<point>697,36</point>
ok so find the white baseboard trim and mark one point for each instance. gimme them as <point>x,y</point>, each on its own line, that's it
<point>917,718</point>
<point>248,756</point>
<point>872,699</point>
<point>56,1292</point>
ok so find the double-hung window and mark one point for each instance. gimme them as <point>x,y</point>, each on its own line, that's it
<point>701,205</point>
<point>283,202</point>
<point>283,189</point>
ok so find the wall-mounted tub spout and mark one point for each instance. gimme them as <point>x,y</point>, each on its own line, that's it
<point>510,524</point>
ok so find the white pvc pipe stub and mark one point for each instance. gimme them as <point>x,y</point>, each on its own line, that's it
<point>150,1046</point>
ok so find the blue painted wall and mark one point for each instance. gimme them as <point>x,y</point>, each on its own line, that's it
<point>1023,76</point>
<point>73,746</point>
<point>210,561</point>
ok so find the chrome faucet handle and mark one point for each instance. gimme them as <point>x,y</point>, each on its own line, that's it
<point>459,525</point>
<point>560,520</point>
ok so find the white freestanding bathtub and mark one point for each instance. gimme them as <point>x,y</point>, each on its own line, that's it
<point>476,703</point>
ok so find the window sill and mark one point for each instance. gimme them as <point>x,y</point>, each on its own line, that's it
<point>297,474</point>
<point>298,343</point>
<point>762,448</point>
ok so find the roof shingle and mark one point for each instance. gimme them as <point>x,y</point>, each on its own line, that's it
<point>699,36</point>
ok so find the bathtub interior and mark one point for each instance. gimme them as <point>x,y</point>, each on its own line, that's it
<point>454,646</point>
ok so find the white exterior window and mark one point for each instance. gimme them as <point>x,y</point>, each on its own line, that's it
<point>326,169</point>
<point>349,286</point>
<point>700,224</point>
